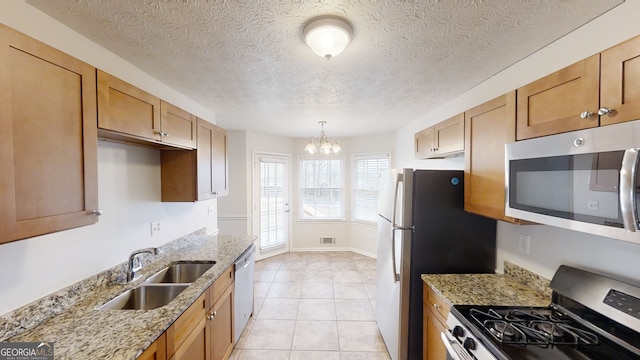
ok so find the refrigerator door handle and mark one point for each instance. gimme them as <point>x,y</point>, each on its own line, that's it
<point>394,227</point>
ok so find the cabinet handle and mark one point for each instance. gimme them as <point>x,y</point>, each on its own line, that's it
<point>165,134</point>
<point>604,111</point>
<point>162,133</point>
<point>586,114</point>
<point>214,193</point>
<point>436,306</point>
<point>97,212</point>
<point>212,315</point>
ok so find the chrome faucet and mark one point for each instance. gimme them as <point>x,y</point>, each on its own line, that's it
<point>135,264</point>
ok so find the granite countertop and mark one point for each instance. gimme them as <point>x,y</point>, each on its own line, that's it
<point>84,332</point>
<point>517,287</point>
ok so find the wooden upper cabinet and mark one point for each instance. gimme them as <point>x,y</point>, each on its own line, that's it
<point>196,175</point>
<point>213,177</point>
<point>125,109</point>
<point>444,138</point>
<point>488,127</point>
<point>620,82</point>
<point>129,114</point>
<point>554,103</point>
<point>48,140</point>
<point>178,127</point>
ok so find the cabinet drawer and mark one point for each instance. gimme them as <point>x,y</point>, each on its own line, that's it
<point>184,325</point>
<point>221,284</point>
<point>436,303</point>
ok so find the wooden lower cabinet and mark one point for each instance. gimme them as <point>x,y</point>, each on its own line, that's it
<point>435,312</point>
<point>205,330</point>
<point>157,350</point>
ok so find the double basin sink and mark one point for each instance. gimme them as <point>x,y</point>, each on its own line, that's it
<point>160,288</point>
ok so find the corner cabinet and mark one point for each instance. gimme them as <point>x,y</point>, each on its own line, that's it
<point>443,139</point>
<point>199,174</point>
<point>48,139</point>
<point>488,127</point>
<point>129,114</point>
<point>435,312</point>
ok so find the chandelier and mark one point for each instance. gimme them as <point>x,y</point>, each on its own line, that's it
<point>322,143</point>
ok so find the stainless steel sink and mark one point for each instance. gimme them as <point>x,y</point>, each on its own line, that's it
<point>145,297</point>
<point>181,272</point>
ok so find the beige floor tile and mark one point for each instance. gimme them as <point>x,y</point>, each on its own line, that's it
<point>317,291</point>
<point>317,276</point>
<point>349,291</point>
<point>343,265</point>
<point>358,310</point>
<point>317,309</point>
<point>315,355</point>
<point>267,264</point>
<point>315,335</point>
<point>360,336</point>
<point>270,335</point>
<point>347,276</point>
<point>260,289</point>
<point>355,355</point>
<point>245,333</point>
<point>285,290</point>
<point>264,275</point>
<point>264,355</point>
<point>371,290</point>
<point>279,309</point>
<point>295,276</point>
<point>235,353</point>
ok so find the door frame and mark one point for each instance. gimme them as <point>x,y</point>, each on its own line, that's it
<point>255,197</point>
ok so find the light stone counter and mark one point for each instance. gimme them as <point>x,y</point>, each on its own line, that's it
<point>71,319</point>
<point>517,287</point>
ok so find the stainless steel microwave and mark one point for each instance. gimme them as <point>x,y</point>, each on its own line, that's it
<point>585,180</point>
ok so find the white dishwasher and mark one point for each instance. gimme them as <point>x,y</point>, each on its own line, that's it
<point>243,290</point>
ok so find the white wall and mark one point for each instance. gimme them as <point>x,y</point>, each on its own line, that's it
<point>128,187</point>
<point>550,246</point>
<point>234,210</point>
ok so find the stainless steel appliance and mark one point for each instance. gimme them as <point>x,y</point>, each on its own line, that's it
<point>423,228</point>
<point>243,290</point>
<point>591,317</point>
<point>585,180</point>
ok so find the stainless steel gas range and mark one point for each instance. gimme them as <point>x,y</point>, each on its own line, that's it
<point>591,317</point>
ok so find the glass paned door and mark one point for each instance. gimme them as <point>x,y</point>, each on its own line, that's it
<point>273,204</point>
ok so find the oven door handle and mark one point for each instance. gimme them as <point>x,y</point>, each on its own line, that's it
<point>628,176</point>
<point>454,349</point>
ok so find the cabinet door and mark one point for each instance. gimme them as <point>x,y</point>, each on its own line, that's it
<point>488,127</point>
<point>424,143</point>
<point>449,135</point>
<point>553,104</point>
<point>178,127</point>
<point>433,346</point>
<point>188,333</point>
<point>221,335</point>
<point>212,161</point>
<point>620,82</point>
<point>125,109</point>
<point>157,350</point>
<point>48,139</point>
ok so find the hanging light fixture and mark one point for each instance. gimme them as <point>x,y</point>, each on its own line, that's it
<point>322,143</point>
<point>327,36</point>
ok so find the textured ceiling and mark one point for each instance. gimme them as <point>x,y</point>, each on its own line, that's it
<point>246,60</point>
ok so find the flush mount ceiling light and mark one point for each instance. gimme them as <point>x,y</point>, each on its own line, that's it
<point>327,36</point>
<point>322,143</point>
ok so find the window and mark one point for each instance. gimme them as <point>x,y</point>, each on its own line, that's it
<point>321,189</point>
<point>366,177</point>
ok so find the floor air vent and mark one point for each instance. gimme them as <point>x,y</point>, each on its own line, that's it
<point>327,240</point>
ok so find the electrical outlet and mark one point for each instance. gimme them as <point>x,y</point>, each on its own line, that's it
<point>592,205</point>
<point>155,228</point>
<point>210,211</point>
<point>524,243</point>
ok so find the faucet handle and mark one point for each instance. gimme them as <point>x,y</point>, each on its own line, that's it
<point>136,263</point>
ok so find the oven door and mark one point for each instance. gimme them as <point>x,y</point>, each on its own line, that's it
<point>455,351</point>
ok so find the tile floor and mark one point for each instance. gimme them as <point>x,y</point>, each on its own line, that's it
<point>313,305</point>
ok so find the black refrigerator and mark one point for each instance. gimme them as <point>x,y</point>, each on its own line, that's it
<point>423,229</point>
